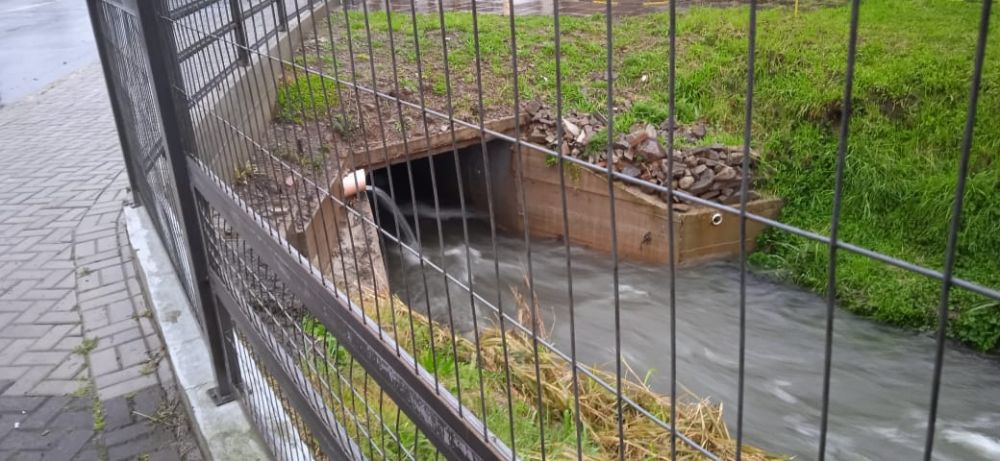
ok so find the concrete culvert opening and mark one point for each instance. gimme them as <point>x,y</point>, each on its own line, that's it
<point>417,193</point>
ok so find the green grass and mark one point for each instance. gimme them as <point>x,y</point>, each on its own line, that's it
<point>306,97</point>
<point>911,90</point>
<point>560,432</point>
<point>87,345</point>
<point>97,412</point>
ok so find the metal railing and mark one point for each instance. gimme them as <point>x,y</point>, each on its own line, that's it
<point>331,358</point>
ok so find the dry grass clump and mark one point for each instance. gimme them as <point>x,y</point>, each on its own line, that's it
<point>645,439</point>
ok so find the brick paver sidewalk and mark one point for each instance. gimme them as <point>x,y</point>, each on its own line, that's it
<point>82,374</point>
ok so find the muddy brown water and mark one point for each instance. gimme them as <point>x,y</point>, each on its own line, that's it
<point>881,375</point>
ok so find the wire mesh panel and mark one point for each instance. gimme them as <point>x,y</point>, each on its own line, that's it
<point>119,35</point>
<point>477,230</point>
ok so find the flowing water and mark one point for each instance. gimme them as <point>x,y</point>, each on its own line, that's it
<point>398,218</point>
<point>881,375</point>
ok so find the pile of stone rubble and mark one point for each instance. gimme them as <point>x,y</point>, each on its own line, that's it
<point>711,172</point>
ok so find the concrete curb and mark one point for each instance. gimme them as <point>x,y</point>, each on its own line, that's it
<point>224,432</point>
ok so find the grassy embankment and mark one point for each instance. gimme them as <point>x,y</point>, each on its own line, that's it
<point>911,92</point>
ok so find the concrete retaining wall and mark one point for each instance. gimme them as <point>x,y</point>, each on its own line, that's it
<point>242,107</point>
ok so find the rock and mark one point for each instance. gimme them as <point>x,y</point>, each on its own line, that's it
<point>726,173</point>
<point>538,135</point>
<point>698,130</point>
<point>736,157</point>
<point>678,168</point>
<point>732,183</point>
<point>627,153</point>
<point>699,151</point>
<point>686,182</point>
<point>533,107</point>
<point>571,128</point>
<point>703,183</point>
<point>710,195</point>
<point>631,170</point>
<point>582,138</point>
<point>652,150</point>
<point>682,207</point>
<point>698,170</point>
<point>636,137</point>
<point>650,131</point>
<point>691,161</point>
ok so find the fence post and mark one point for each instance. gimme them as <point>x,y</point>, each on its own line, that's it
<point>282,15</point>
<point>178,132</point>
<point>242,46</point>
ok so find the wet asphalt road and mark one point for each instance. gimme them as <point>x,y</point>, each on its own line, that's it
<point>41,41</point>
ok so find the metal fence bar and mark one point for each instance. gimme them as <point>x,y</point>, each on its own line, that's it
<point>744,189</point>
<point>609,156</point>
<point>236,13</point>
<point>577,423</point>
<point>282,15</point>
<point>491,209</point>
<point>838,190</point>
<point>671,239</point>
<point>956,224</point>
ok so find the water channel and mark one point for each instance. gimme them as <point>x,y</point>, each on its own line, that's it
<point>881,375</point>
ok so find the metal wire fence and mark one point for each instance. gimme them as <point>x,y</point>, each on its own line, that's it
<point>286,149</point>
